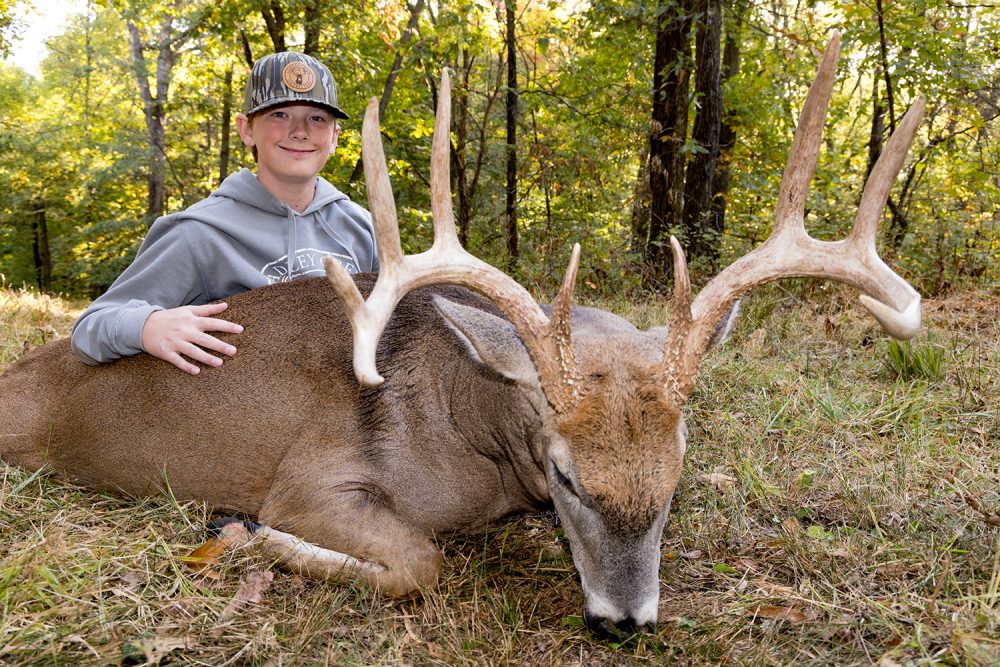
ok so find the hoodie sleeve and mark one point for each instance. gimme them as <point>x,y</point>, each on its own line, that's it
<point>163,275</point>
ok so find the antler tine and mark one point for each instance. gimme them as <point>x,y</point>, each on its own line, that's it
<point>789,215</point>
<point>547,342</point>
<point>366,322</point>
<point>896,305</point>
<point>674,364</point>
<point>790,252</point>
<point>441,211</point>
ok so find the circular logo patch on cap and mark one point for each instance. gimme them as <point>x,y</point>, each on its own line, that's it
<point>298,77</point>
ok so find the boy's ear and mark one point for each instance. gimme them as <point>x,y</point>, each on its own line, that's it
<point>336,135</point>
<point>243,127</point>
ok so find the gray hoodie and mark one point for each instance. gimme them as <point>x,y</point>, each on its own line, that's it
<point>239,238</point>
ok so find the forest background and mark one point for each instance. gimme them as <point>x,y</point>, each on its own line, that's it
<point>613,123</point>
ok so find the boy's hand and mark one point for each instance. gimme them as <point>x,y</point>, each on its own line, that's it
<point>168,334</point>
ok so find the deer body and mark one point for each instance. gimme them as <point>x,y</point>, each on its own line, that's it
<point>283,431</point>
<point>288,405</point>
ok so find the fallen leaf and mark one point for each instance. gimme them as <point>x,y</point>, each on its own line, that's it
<point>153,649</point>
<point>819,533</point>
<point>830,327</point>
<point>894,571</point>
<point>251,591</point>
<point>205,555</point>
<point>694,554</point>
<point>791,526</point>
<point>719,480</point>
<point>780,613</point>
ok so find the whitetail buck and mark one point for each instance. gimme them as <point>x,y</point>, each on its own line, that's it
<point>479,415</point>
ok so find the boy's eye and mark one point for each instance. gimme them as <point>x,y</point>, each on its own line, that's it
<point>278,114</point>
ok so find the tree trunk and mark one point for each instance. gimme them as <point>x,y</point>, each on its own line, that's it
<point>459,151</point>
<point>274,19</point>
<point>227,113</point>
<point>511,206</point>
<point>727,134</point>
<point>153,108</point>
<point>668,132</point>
<point>884,54</point>
<point>467,185</point>
<point>390,81</point>
<point>40,246</point>
<point>702,240</point>
<point>312,26</point>
<point>247,51</point>
<point>877,132</point>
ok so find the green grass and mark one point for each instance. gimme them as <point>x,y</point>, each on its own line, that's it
<point>845,538</point>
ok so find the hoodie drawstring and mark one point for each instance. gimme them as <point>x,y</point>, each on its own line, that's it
<point>292,240</point>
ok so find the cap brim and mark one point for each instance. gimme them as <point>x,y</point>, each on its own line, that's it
<point>337,113</point>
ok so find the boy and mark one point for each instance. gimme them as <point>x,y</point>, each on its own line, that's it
<point>252,231</point>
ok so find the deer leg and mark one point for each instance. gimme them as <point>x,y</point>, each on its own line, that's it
<point>349,537</point>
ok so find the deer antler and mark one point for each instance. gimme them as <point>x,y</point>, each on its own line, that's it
<point>548,342</point>
<point>790,252</point>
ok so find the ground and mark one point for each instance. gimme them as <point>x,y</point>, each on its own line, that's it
<point>840,505</point>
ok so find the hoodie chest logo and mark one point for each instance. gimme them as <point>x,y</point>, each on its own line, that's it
<point>307,262</point>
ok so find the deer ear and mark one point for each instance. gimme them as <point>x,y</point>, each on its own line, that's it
<point>490,340</point>
<point>725,326</point>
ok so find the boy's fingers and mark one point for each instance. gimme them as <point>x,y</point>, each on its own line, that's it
<point>209,308</point>
<point>213,343</point>
<point>194,352</point>
<point>215,324</point>
<point>181,363</point>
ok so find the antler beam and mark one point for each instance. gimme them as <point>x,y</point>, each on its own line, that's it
<point>548,342</point>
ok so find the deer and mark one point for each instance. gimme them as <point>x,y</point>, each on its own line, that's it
<point>439,397</point>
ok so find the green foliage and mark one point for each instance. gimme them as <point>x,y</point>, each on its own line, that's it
<point>906,360</point>
<point>74,143</point>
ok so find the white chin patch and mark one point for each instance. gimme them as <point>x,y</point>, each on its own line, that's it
<point>649,611</point>
<point>603,608</point>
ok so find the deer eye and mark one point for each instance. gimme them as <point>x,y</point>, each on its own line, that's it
<point>563,481</point>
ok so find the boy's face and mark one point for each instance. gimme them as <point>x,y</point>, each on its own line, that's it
<point>293,141</point>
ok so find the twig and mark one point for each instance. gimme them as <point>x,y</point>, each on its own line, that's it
<point>992,518</point>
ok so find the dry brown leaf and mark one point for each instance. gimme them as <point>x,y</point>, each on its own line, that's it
<point>791,526</point>
<point>694,554</point>
<point>791,614</point>
<point>894,571</point>
<point>719,480</point>
<point>205,555</point>
<point>410,632</point>
<point>251,591</point>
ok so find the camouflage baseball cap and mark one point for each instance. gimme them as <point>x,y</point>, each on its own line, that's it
<point>285,77</point>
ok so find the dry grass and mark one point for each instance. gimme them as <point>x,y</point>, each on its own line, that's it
<point>823,519</point>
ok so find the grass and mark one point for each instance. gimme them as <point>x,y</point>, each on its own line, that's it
<point>835,509</point>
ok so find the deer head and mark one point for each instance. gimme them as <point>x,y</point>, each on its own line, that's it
<point>611,409</point>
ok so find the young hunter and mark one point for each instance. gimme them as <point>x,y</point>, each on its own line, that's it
<point>254,230</point>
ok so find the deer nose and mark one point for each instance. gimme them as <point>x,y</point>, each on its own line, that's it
<point>605,628</point>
